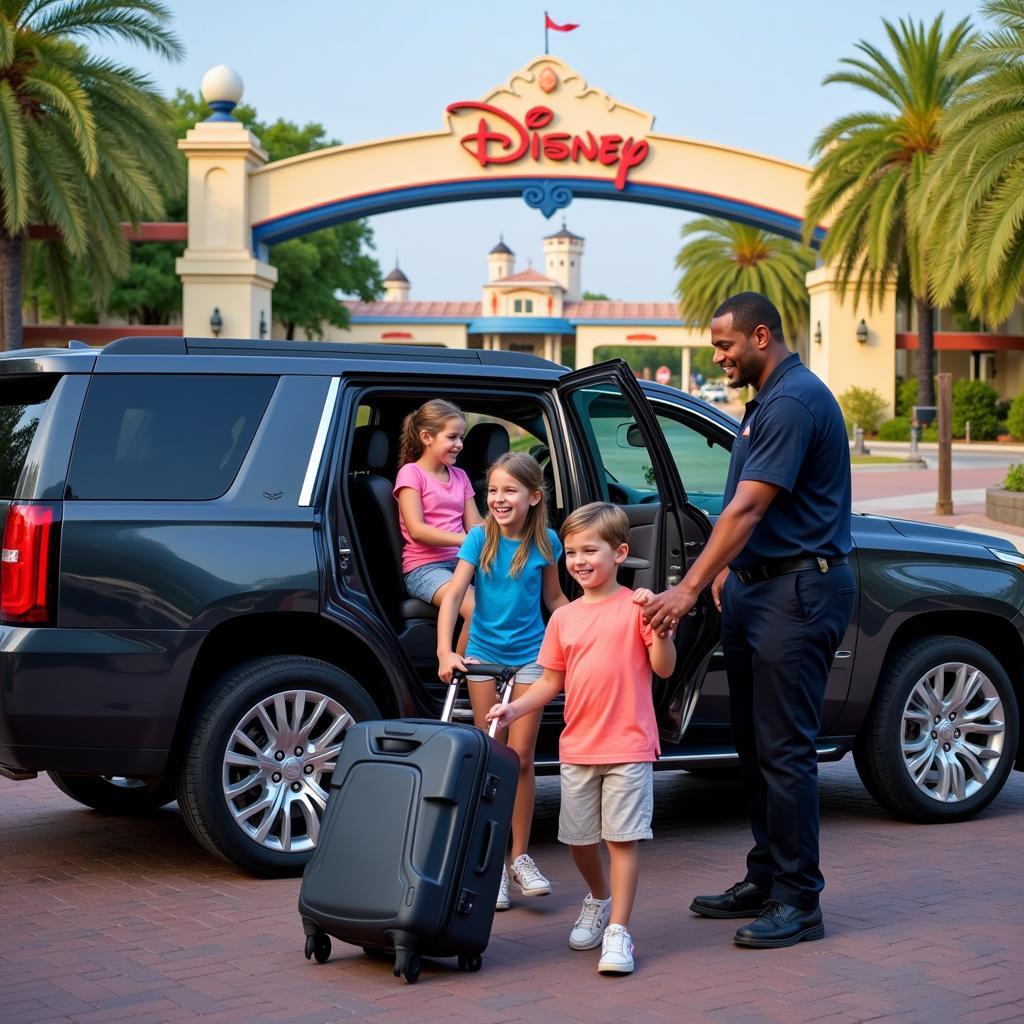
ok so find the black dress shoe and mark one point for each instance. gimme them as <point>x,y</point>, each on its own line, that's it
<point>744,899</point>
<point>781,925</point>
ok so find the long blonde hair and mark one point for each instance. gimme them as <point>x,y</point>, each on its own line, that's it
<point>526,470</point>
<point>430,416</point>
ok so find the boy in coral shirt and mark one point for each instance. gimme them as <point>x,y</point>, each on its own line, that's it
<point>598,649</point>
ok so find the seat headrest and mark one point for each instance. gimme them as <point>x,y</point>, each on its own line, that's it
<point>370,449</point>
<point>483,444</point>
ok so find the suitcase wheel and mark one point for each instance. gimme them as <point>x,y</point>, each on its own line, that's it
<point>407,965</point>
<point>318,947</point>
<point>470,962</point>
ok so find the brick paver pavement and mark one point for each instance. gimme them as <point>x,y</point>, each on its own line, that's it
<point>105,919</point>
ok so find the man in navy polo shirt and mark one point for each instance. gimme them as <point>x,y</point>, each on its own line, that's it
<point>777,561</point>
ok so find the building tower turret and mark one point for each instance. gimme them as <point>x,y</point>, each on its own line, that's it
<point>563,256</point>
<point>501,261</point>
<point>396,286</point>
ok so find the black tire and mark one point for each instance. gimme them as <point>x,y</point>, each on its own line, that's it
<point>879,749</point>
<point>114,794</point>
<point>229,715</point>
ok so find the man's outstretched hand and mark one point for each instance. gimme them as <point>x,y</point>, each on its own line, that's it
<point>665,611</point>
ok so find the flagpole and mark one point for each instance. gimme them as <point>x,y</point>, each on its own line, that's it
<point>545,33</point>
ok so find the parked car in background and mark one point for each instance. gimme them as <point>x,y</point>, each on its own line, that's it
<point>714,391</point>
<point>201,585</point>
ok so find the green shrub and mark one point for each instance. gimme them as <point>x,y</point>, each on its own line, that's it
<point>975,402</point>
<point>906,396</point>
<point>863,406</point>
<point>1015,418</point>
<point>897,429</point>
<point>1015,478</point>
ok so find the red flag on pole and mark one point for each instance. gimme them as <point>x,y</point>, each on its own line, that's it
<point>548,23</point>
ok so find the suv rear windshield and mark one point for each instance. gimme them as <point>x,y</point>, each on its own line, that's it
<point>21,405</point>
<point>165,437</point>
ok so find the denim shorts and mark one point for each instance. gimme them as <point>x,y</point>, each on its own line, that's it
<point>527,674</point>
<point>426,580</point>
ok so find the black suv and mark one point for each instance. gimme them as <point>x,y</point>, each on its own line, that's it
<point>201,583</point>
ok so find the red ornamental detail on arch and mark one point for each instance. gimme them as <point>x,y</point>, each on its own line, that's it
<point>502,139</point>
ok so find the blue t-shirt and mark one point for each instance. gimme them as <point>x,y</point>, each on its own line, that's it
<point>793,436</point>
<point>507,626</point>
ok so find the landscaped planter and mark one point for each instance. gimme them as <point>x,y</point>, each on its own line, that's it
<point>1005,506</point>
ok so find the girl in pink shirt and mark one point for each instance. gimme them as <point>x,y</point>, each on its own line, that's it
<point>435,503</point>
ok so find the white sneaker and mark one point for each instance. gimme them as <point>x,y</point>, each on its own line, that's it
<point>589,927</point>
<point>527,876</point>
<point>503,902</point>
<point>616,951</point>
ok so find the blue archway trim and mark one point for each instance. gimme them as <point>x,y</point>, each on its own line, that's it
<point>301,222</point>
<point>519,325</point>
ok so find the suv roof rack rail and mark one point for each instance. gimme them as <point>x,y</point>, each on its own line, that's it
<point>317,349</point>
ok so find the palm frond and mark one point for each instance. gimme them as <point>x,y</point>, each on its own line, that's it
<point>14,178</point>
<point>142,22</point>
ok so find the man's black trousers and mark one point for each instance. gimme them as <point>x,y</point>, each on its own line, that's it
<point>779,637</point>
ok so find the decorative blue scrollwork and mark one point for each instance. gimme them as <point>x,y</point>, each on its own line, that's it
<point>547,196</point>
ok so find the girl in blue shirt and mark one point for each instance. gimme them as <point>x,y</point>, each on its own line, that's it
<point>512,563</point>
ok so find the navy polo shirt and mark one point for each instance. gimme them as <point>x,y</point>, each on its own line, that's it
<point>793,436</point>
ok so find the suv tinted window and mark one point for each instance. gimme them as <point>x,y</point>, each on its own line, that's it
<point>21,404</point>
<point>169,437</point>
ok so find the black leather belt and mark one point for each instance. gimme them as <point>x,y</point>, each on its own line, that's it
<point>769,570</point>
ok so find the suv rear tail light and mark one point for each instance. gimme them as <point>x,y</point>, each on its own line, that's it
<point>28,564</point>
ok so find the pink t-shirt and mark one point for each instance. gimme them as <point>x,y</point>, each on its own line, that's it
<point>443,506</point>
<point>601,646</point>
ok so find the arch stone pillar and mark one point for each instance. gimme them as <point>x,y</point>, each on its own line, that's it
<point>839,359</point>
<point>218,269</point>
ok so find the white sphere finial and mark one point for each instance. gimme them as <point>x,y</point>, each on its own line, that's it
<point>222,88</point>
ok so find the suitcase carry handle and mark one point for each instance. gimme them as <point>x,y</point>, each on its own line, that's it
<point>504,674</point>
<point>485,858</point>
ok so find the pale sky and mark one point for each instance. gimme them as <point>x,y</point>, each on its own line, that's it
<point>743,73</point>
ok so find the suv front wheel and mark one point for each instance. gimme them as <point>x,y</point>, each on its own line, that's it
<point>257,769</point>
<point>941,735</point>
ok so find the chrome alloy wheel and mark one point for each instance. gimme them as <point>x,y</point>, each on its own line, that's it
<point>278,764</point>
<point>954,730</point>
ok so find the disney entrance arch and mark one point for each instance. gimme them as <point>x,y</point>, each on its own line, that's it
<point>545,136</point>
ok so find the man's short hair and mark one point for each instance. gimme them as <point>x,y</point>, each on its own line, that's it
<point>749,309</point>
<point>608,521</point>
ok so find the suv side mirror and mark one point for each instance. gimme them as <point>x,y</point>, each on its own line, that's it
<point>629,435</point>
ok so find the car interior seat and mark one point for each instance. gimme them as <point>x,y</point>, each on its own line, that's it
<point>483,443</point>
<point>379,535</point>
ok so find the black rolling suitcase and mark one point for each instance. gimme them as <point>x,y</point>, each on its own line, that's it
<point>413,840</point>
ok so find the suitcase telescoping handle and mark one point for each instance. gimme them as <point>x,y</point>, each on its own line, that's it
<point>504,674</point>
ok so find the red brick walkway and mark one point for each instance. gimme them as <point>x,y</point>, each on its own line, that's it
<point>105,919</point>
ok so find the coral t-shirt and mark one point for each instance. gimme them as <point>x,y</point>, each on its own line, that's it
<point>443,507</point>
<point>601,646</point>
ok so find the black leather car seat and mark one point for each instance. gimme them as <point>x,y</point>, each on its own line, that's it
<point>377,529</point>
<point>483,443</point>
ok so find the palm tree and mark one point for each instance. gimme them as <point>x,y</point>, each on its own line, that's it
<point>972,200</point>
<point>83,141</point>
<point>724,257</point>
<point>870,162</point>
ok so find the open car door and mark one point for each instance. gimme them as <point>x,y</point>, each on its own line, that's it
<point>623,458</point>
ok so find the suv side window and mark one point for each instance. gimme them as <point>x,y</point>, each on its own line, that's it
<point>702,462</point>
<point>170,437</point>
<point>21,405</point>
<point>618,445</point>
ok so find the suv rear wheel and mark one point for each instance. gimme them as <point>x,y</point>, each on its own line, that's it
<point>941,735</point>
<point>115,794</point>
<point>257,769</point>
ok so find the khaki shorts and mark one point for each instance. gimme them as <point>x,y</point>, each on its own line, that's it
<point>606,801</point>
